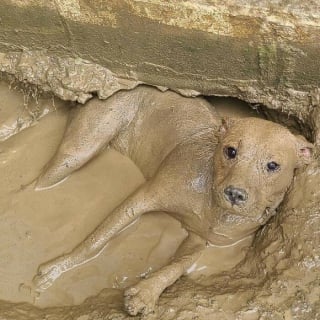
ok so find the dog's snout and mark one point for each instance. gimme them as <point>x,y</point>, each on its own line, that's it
<point>235,195</point>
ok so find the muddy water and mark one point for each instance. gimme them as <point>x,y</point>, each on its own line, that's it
<point>21,108</point>
<point>36,226</point>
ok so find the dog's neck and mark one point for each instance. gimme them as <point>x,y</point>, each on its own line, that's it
<point>214,222</point>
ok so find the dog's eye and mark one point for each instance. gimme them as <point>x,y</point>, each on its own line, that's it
<point>230,152</point>
<point>272,166</point>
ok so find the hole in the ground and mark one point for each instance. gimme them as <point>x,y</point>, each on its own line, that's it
<point>233,107</point>
<point>292,122</point>
<point>30,219</point>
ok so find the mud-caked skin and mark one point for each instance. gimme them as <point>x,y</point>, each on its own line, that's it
<point>221,179</point>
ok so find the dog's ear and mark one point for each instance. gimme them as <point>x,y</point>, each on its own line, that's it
<point>226,124</point>
<point>304,150</point>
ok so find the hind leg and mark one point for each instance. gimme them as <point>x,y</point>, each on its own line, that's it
<point>91,127</point>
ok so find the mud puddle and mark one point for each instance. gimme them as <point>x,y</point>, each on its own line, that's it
<point>36,226</point>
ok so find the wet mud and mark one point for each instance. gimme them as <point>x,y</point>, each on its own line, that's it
<point>30,218</point>
<point>278,279</point>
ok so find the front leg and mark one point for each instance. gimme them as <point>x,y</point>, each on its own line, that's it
<point>142,297</point>
<point>145,199</point>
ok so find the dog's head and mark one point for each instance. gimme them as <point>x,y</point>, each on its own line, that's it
<point>254,164</point>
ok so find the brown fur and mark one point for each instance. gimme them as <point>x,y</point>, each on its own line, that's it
<point>178,146</point>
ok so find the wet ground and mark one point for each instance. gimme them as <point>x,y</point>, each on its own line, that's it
<point>38,225</point>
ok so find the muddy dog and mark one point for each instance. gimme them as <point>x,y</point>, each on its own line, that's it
<point>221,180</point>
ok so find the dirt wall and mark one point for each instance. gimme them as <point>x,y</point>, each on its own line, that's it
<point>262,52</point>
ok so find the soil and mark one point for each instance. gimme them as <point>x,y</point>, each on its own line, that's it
<point>278,279</point>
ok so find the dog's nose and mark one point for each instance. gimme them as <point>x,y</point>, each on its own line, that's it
<point>235,195</point>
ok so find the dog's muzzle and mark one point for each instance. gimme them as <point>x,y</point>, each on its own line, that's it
<point>236,196</point>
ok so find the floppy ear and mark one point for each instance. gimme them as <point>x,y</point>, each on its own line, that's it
<point>304,150</point>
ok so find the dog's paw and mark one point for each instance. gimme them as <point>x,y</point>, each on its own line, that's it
<point>140,299</point>
<point>47,274</point>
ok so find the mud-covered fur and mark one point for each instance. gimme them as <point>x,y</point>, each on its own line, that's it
<point>221,180</point>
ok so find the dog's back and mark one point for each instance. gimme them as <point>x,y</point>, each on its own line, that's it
<point>163,120</point>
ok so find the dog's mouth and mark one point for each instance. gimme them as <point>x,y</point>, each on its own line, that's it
<point>236,218</point>
<point>242,213</point>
